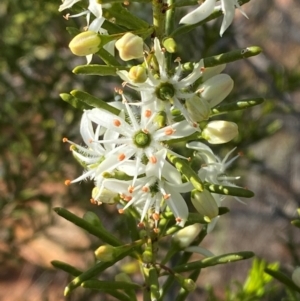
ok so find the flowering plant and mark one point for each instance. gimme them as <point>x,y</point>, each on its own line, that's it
<point>131,148</point>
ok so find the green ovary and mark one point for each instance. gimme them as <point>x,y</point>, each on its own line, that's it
<point>165,91</point>
<point>142,139</point>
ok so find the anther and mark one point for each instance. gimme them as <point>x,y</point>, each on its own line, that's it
<point>148,113</point>
<point>241,154</point>
<point>121,157</point>
<point>178,219</point>
<point>127,198</point>
<point>66,16</point>
<point>166,196</point>
<point>145,189</point>
<point>153,160</point>
<point>177,60</point>
<point>155,216</point>
<point>130,189</point>
<point>67,182</point>
<point>202,69</point>
<point>64,139</point>
<point>169,131</point>
<point>156,230</point>
<point>116,122</point>
<point>141,225</point>
<point>121,211</point>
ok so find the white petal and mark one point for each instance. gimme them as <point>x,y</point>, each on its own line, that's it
<point>67,4</point>
<point>199,14</point>
<point>228,10</point>
<point>95,8</point>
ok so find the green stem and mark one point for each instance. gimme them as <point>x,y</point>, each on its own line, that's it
<point>159,17</point>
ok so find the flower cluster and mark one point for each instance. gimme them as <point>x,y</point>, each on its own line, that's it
<point>127,155</point>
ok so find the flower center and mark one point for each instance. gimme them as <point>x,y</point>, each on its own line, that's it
<point>165,91</point>
<point>142,139</point>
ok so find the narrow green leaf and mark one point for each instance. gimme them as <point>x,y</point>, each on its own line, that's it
<point>231,56</point>
<point>239,105</point>
<point>283,279</point>
<point>66,267</point>
<point>229,190</point>
<point>215,260</point>
<point>101,70</point>
<point>101,233</point>
<point>110,285</point>
<point>94,101</point>
<point>74,102</point>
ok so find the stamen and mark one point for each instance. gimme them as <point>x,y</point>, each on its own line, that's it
<point>66,16</point>
<point>148,113</point>
<point>145,189</point>
<point>156,230</point>
<point>169,131</point>
<point>116,122</point>
<point>166,196</point>
<point>121,211</point>
<point>155,216</point>
<point>178,219</point>
<point>130,189</point>
<point>202,69</point>
<point>153,160</point>
<point>145,131</point>
<point>121,157</point>
<point>127,198</point>
<point>67,182</point>
<point>64,140</point>
<point>141,225</point>
<point>177,60</point>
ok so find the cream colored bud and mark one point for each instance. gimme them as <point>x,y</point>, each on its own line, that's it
<point>105,253</point>
<point>85,43</point>
<point>106,196</point>
<point>138,74</point>
<point>184,237</point>
<point>199,109</point>
<point>215,89</point>
<point>219,131</point>
<point>296,276</point>
<point>130,47</point>
<point>205,204</point>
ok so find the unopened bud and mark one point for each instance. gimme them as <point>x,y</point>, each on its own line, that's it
<point>189,285</point>
<point>215,89</point>
<point>106,253</point>
<point>184,237</point>
<point>123,277</point>
<point>219,131</point>
<point>199,109</point>
<point>147,255</point>
<point>170,45</point>
<point>130,47</point>
<point>205,204</point>
<point>296,276</point>
<point>106,196</point>
<point>85,43</point>
<point>138,74</point>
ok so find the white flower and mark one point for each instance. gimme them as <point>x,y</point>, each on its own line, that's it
<point>162,89</point>
<point>213,170</point>
<point>137,138</point>
<point>151,195</point>
<point>205,9</point>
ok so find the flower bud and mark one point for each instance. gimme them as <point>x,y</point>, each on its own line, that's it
<point>199,109</point>
<point>170,45</point>
<point>296,276</point>
<point>106,196</point>
<point>130,47</point>
<point>105,253</point>
<point>184,237</point>
<point>217,132</point>
<point>205,204</point>
<point>215,89</point>
<point>123,277</point>
<point>85,43</point>
<point>138,74</point>
<point>189,285</point>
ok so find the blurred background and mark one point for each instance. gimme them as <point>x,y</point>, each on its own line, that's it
<point>36,66</point>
